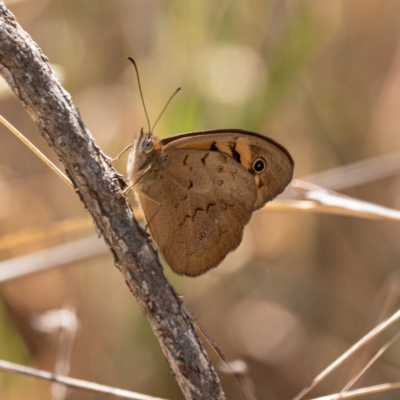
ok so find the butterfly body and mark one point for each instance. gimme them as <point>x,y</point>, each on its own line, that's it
<point>198,191</point>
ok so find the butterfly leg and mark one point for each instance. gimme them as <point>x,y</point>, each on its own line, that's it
<point>155,213</point>
<point>120,154</point>
<point>125,191</point>
<point>128,189</point>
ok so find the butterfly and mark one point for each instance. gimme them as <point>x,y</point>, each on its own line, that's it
<point>198,190</point>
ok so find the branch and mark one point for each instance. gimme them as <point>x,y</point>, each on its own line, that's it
<point>26,70</point>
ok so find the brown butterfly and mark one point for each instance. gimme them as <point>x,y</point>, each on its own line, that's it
<point>198,190</point>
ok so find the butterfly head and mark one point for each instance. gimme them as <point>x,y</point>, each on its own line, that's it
<point>145,143</point>
<point>144,155</point>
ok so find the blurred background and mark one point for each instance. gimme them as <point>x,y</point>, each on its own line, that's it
<point>320,77</point>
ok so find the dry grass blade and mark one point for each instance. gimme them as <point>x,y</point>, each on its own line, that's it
<point>308,197</point>
<point>24,140</point>
<point>56,256</point>
<point>357,173</point>
<point>369,364</point>
<point>362,342</point>
<point>239,374</point>
<point>22,238</point>
<point>362,392</point>
<point>17,369</point>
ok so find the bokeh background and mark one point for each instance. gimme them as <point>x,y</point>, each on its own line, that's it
<point>320,77</point>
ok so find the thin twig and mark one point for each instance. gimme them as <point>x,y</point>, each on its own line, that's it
<point>6,366</point>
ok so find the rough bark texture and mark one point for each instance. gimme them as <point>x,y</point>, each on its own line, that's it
<point>30,77</point>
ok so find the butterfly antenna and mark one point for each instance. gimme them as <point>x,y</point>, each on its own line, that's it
<point>140,89</point>
<point>165,107</point>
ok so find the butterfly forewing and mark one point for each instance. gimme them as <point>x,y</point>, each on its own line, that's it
<point>245,147</point>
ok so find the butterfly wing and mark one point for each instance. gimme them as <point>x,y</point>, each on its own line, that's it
<point>202,190</point>
<point>244,147</point>
<point>198,208</point>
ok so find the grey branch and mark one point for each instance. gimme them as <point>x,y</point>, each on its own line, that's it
<point>25,68</point>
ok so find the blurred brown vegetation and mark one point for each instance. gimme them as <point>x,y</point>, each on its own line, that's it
<point>322,78</point>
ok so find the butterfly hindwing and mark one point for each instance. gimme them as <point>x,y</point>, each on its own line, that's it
<point>210,202</point>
